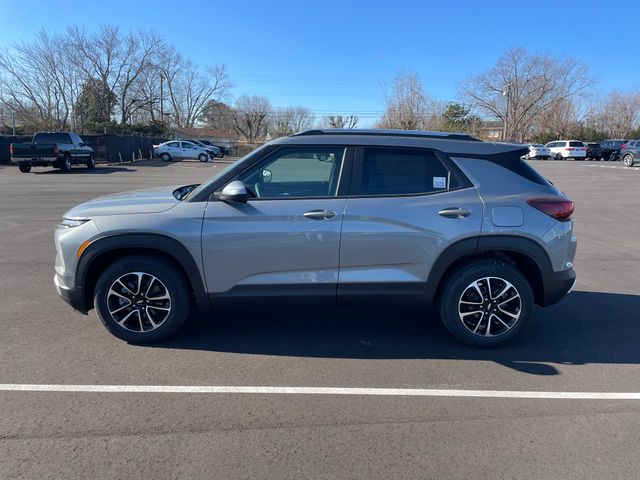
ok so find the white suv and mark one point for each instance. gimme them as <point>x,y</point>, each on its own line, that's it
<point>563,149</point>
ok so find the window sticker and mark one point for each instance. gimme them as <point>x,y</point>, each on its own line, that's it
<point>439,182</point>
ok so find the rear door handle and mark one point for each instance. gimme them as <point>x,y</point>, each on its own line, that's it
<point>454,212</point>
<point>320,214</point>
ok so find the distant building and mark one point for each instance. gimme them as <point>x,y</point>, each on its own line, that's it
<point>491,131</point>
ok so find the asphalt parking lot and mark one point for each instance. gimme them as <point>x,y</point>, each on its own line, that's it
<point>587,343</point>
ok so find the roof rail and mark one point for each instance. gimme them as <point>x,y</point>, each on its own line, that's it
<point>387,133</point>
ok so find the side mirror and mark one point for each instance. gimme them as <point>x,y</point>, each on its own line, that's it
<point>234,192</point>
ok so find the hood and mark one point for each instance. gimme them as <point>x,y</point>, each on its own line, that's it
<point>152,200</point>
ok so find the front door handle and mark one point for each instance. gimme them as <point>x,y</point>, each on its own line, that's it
<point>455,212</point>
<point>320,214</point>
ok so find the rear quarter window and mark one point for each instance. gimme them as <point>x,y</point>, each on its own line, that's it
<point>576,144</point>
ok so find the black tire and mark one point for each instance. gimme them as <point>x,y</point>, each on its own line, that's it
<point>628,160</point>
<point>459,286</point>
<point>91,163</point>
<point>133,329</point>
<point>559,156</point>
<point>65,164</point>
<point>221,154</point>
<point>203,157</point>
<point>25,167</point>
<point>165,157</point>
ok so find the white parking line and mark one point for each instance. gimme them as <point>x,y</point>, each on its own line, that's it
<point>402,392</point>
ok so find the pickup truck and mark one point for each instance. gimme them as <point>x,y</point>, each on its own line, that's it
<point>60,150</point>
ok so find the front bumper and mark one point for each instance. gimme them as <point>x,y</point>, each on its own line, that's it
<point>73,296</point>
<point>556,285</point>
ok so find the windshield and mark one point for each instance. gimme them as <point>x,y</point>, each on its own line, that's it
<point>206,185</point>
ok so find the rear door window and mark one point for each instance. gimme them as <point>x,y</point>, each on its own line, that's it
<point>398,171</point>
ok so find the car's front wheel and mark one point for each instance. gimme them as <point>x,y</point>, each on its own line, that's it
<point>65,164</point>
<point>559,156</point>
<point>165,157</point>
<point>486,303</point>
<point>91,163</point>
<point>203,157</point>
<point>142,299</point>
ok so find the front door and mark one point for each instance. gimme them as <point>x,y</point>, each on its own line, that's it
<point>285,241</point>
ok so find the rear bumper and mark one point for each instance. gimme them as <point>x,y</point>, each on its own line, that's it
<point>73,296</point>
<point>35,161</point>
<point>556,285</point>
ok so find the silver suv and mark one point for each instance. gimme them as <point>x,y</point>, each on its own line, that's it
<point>333,217</point>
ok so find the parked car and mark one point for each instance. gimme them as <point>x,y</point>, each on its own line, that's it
<point>52,149</point>
<point>630,152</point>
<point>181,149</point>
<point>537,151</point>
<point>330,217</point>
<point>611,148</point>
<point>212,149</point>
<point>594,151</point>
<point>563,149</point>
<point>223,149</point>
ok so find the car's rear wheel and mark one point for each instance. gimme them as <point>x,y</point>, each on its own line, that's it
<point>25,167</point>
<point>628,160</point>
<point>486,303</point>
<point>142,299</point>
<point>165,157</point>
<point>203,157</point>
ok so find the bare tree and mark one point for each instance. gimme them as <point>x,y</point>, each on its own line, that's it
<point>522,86</point>
<point>408,106</point>
<point>252,117</point>
<point>339,121</point>
<point>38,82</point>
<point>560,120</point>
<point>289,120</point>
<point>189,88</point>
<point>218,115</point>
<point>617,114</point>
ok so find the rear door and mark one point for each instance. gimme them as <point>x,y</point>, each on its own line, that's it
<point>405,207</point>
<point>285,240</point>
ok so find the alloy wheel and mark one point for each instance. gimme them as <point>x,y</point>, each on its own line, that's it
<point>139,302</point>
<point>489,307</point>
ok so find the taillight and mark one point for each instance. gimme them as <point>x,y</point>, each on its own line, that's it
<point>11,149</point>
<point>56,150</point>
<point>558,208</point>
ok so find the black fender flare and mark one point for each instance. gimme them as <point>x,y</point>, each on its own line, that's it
<point>476,246</point>
<point>150,243</point>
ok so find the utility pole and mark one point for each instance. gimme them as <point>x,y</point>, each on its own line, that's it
<point>506,91</point>
<point>161,97</point>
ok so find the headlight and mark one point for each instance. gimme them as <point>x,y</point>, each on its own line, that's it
<point>72,223</point>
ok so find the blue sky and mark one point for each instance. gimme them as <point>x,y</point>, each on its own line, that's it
<point>334,56</point>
